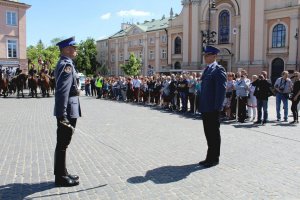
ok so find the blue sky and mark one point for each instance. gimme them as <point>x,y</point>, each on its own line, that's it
<point>48,19</point>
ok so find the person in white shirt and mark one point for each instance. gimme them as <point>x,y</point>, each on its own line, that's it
<point>136,82</point>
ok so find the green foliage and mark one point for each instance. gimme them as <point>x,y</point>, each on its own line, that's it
<point>86,58</point>
<point>133,66</point>
<point>48,55</point>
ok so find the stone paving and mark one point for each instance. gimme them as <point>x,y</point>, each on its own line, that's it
<point>126,151</point>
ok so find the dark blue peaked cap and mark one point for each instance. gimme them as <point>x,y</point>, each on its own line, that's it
<point>211,50</point>
<point>67,42</point>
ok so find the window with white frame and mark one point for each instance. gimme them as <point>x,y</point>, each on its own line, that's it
<point>164,54</point>
<point>12,48</point>
<point>140,42</point>
<point>164,38</point>
<point>11,18</point>
<point>151,40</point>
<point>151,55</point>
<point>113,57</point>
<point>278,36</point>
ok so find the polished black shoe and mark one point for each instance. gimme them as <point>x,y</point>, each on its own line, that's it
<point>203,162</point>
<point>65,181</point>
<point>211,164</point>
<point>257,122</point>
<point>74,177</point>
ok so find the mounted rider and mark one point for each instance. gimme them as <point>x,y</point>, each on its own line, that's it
<point>32,72</point>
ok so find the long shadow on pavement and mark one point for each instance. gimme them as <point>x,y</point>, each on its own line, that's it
<point>19,191</point>
<point>166,174</point>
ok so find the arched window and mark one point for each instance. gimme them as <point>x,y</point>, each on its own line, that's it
<point>224,27</point>
<point>177,45</point>
<point>278,36</point>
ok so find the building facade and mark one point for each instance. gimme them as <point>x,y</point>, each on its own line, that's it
<point>13,34</point>
<point>254,35</point>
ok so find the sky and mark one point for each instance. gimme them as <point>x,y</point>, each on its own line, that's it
<point>97,19</point>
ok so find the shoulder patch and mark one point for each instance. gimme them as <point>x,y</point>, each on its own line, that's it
<point>68,69</point>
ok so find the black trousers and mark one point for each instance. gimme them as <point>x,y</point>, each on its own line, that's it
<point>211,123</point>
<point>242,112</point>
<point>192,101</point>
<point>294,109</point>
<point>64,137</point>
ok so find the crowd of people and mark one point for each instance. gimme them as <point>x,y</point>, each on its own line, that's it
<point>246,97</point>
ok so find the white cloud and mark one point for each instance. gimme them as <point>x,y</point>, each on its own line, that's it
<point>106,16</point>
<point>133,13</point>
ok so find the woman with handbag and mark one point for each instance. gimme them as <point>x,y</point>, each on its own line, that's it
<point>295,98</point>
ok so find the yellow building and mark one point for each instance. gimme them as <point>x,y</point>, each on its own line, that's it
<point>252,34</point>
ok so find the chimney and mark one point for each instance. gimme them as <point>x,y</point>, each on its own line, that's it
<point>125,26</point>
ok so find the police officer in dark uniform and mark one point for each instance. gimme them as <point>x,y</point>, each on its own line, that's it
<point>213,88</point>
<point>67,110</point>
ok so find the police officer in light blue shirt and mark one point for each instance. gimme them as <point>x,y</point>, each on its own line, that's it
<point>213,88</point>
<point>66,110</point>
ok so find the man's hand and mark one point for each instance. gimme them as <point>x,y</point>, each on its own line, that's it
<point>63,120</point>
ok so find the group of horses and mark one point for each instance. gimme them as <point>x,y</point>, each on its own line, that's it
<point>16,84</point>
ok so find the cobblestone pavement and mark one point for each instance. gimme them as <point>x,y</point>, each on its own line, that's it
<point>125,151</point>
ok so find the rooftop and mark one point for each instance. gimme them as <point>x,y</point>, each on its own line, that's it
<point>147,26</point>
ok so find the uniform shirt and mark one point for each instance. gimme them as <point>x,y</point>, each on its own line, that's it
<point>66,94</point>
<point>213,87</point>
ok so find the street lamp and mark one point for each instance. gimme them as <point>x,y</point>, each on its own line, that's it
<point>209,36</point>
<point>297,43</point>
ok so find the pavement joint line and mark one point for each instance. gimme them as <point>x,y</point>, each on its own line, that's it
<point>99,141</point>
<point>285,138</point>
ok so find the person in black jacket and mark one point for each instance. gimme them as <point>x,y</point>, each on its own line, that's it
<point>295,98</point>
<point>262,93</point>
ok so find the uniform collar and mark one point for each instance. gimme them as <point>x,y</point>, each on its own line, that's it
<point>212,64</point>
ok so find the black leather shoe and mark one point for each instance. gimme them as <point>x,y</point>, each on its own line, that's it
<point>74,177</point>
<point>65,181</point>
<point>211,164</point>
<point>257,122</point>
<point>203,162</point>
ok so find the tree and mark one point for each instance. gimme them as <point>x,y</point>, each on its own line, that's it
<point>133,66</point>
<point>86,58</point>
<point>49,55</point>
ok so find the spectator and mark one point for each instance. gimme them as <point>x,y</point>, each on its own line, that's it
<point>262,93</point>
<point>99,84</point>
<point>295,98</point>
<point>252,101</point>
<point>93,87</point>
<point>183,91</point>
<point>229,95</point>
<point>191,92</point>
<point>87,85</point>
<point>242,91</point>
<point>283,87</point>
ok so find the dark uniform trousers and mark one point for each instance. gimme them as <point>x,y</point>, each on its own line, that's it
<point>211,123</point>
<point>64,137</point>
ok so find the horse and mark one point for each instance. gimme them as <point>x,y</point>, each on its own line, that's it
<point>3,85</point>
<point>45,84</point>
<point>52,84</point>
<point>32,85</point>
<point>20,81</point>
